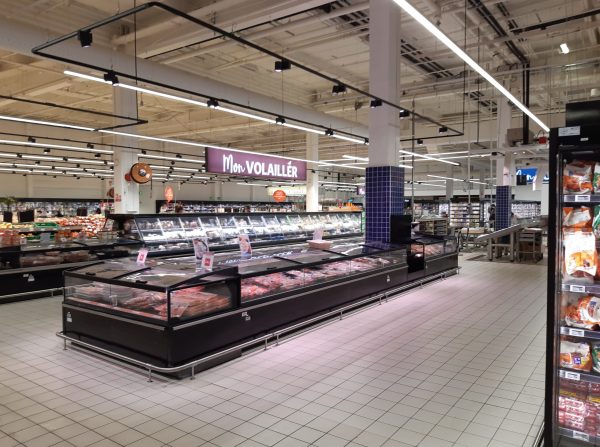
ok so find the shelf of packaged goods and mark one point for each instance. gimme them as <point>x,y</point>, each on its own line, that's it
<point>580,436</point>
<point>581,288</point>
<point>576,332</point>
<point>581,198</point>
<point>579,375</point>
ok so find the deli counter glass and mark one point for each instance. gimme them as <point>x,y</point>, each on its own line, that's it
<point>174,233</point>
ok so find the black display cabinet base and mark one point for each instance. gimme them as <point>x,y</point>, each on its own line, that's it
<point>222,337</point>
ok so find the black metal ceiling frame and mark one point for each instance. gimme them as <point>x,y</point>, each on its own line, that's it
<point>40,51</point>
<point>134,121</point>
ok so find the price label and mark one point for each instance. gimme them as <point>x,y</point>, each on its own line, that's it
<point>580,289</point>
<point>45,238</point>
<point>569,131</point>
<point>142,255</point>
<point>208,259</point>
<point>582,198</point>
<point>581,436</point>
<point>572,375</point>
<point>576,332</point>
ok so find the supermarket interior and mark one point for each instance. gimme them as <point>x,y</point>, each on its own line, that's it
<point>299,223</point>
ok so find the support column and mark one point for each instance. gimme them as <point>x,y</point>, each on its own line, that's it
<point>312,180</point>
<point>505,169</point>
<point>127,194</point>
<point>384,180</point>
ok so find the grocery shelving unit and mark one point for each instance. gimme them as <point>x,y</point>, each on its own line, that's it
<point>221,206</point>
<point>462,214</point>
<point>572,385</point>
<point>433,226</point>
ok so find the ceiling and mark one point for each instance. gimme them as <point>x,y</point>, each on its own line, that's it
<point>332,38</point>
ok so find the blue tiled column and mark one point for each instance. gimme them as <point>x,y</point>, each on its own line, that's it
<point>384,197</point>
<point>503,207</point>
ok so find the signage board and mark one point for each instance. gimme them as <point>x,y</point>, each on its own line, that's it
<point>279,196</point>
<point>531,173</point>
<point>224,161</point>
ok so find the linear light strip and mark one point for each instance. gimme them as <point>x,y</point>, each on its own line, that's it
<point>164,157</point>
<point>428,157</point>
<point>456,179</point>
<point>465,57</point>
<point>45,123</point>
<point>55,146</point>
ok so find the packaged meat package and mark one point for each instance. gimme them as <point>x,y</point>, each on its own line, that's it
<point>577,177</point>
<point>576,389</point>
<point>596,221</point>
<point>596,180</point>
<point>584,313</point>
<point>575,355</point>
<point>579,217</point>
<point>581,257</point>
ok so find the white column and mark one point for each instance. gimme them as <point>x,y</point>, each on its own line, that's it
<point>312,180</point>
<point>127,194</point>
<point>504,175</point>
<point>384,52</point>
<point>449,183</point>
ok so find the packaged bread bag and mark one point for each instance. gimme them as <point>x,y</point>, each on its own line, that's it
<point>574,355</point>
<point>581,257</point>
<point>577,217</point>
<point>577,177</point>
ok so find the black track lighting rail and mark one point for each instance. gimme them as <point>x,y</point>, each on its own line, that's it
<point>134,121</point>
<point>40,50</point>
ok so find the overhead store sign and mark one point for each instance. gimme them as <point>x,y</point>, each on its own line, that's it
<point>223,161</point>
<point>531,174</point>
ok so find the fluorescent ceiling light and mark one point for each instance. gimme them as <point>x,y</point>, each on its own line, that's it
<point>456,179</point>
<point>14,170</point>
<point>44,123</point>
<point>350,139</point>
<point>337,183</point>
<point>55,146</point>
<point>305,129</point>
<point>252,184</point>
<point>428,157</point>
<point>564,48</point>
<point>163,157</point>
<point>146,137</point>
<point>466,58</point>
<point>354,157</point>
<point>428,184</point>
<point>247,115</point>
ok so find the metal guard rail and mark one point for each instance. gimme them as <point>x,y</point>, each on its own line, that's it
<point>496,234</point>
<point>149,367</point>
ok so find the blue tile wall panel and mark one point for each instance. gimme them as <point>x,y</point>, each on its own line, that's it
<point>384,197</point>
<point>503,207</point>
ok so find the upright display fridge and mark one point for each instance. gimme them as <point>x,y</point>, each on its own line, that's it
<point>572,405</point>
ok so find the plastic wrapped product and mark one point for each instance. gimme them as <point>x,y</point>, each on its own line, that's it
<point>577,177</point>
<point>596,365</point>
<point>580,217</point>
<point>596,182</point>
<point>585,313</point>
<point>581,258</point>
<point>575,356</point>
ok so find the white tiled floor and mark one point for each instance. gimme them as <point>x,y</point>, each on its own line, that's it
<point>458,363</point>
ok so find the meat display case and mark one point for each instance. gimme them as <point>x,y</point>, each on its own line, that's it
<point>170,311</point>
<point>167,234</point>
<point>572,402</point>
<point>35,269</point>
<point>431,254</point>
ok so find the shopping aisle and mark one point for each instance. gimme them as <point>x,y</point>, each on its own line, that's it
<point>457,363</point>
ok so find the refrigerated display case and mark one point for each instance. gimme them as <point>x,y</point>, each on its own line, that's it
<point>166,234</point>
<point>572,404</point>
<point>171,311</point>
<point>431,254</point>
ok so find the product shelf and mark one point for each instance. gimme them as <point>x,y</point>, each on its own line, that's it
<point>581,288</point>
<point>579,375</point>
<point>581,198</point>
<point>576,332</point>
<point>580,436</point>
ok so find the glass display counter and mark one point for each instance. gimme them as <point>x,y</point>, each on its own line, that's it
<point>431,254</point>
<point>168,233</point>
<point>170,311</point>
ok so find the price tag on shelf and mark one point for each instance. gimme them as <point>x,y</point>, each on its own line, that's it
<point>208,259</point>
<point>576,332</point>
<point>581,436</point>
<point>45,238</point>
<point>580,289</point>
<point>572,375</point>
<point>582,198</point>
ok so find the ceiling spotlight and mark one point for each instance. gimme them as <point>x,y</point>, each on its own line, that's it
<point>78,178</point>
<point>105,162</point>
<point>282,65</point>
<point>65,159</point>
<point>366,141</point>
<point>37,162</point>
<point>280,120</point>
<point>420,142</point>
<point>443,129</point>
<point>178,155</point>
<point>144,151</point>
<point>31,139</point>
<point>564,48</point>
<point>172,162</point>
<point>376,103</point>
<point>404,114</point>
<point>329,132</point>
<point>46,151</point>
<point>85,38</point>
<point>90,146</point>
<point>111,77</point>
<point>212,102</point>
<point>19,156</point>
<point>338,89</point>
<point>97,155</point>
